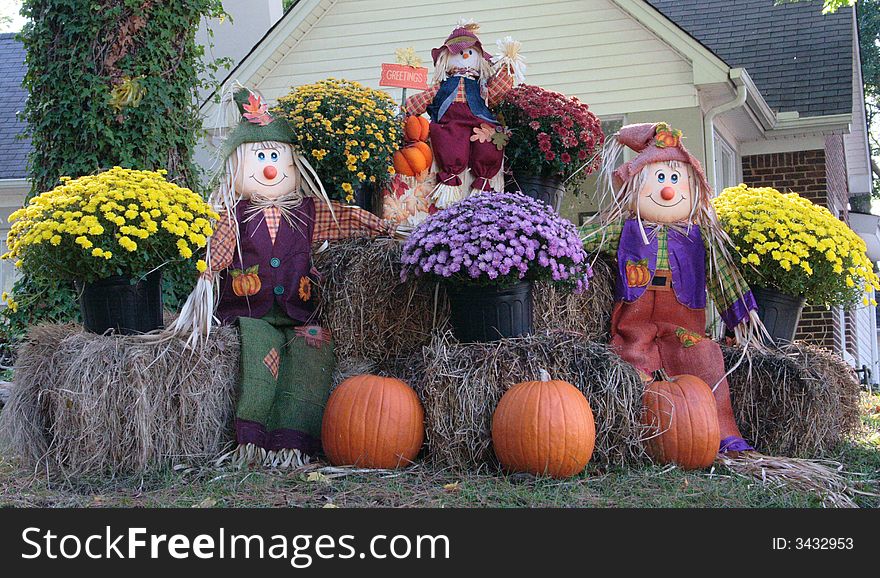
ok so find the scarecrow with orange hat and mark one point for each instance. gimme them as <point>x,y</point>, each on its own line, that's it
<point>465,135</point>
<point>660,226</point>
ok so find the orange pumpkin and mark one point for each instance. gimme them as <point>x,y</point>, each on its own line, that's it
<point>373,422</point>
<point>637,273</point>
<point>416,128</point>
<point>681,416</point>
<point>414,159</point>
<point>544,428</point>
<point>246,283</point>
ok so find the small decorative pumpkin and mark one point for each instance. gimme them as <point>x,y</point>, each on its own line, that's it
<point>413,159</point>
<point>680,412</point>
<point>544,428</point>
<point>415,128</point>
<point>637,274</point>
<point>373,422</point>
<point>246,283</point>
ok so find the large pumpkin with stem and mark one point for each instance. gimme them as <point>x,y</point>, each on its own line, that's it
<point>373,422</point>
<point>683,422</point>
<point>544,428</point>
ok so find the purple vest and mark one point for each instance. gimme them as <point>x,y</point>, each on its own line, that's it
<point>266,273</point>
<point>687,262</point>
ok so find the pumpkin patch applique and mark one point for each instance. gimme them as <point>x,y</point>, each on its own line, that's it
<point>637,273</point>
<point>688,338</point>
<point>666,136</point>
<point>246,283</point>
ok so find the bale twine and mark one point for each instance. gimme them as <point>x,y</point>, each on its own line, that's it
<point>375,316</point>
<point>85,405</point>
<point>460,385</point>
<point>799,402</point>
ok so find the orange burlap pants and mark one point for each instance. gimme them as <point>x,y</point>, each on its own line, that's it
<point>657,332</point>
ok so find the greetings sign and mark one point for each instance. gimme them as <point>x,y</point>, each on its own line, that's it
<point>403,76</point>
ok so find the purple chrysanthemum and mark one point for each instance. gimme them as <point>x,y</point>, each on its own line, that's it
<point>500,238</point>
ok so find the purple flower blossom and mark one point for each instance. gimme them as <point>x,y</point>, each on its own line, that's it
<point>497,237</point>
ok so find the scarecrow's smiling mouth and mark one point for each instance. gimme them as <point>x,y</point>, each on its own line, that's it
<point>268,185</point>
<point>653,200</point>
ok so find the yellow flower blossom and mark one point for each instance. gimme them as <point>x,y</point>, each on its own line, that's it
<point>118,205</point>
<point>795,245</point>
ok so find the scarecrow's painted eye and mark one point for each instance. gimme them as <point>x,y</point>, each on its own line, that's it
<point>674,178</point>
<point>275,158</point>
<point>261,156</point>
<point>661,177</point>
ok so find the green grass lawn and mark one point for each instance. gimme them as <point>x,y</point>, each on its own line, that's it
<point>423,485</point>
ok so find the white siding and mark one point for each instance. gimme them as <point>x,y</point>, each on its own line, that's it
<point>586,48</point>
<point>866,339</point>
<point>858,159</point>
<point>12,194</point>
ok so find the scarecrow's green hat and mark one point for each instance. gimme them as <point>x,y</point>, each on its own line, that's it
<point>256,124</point>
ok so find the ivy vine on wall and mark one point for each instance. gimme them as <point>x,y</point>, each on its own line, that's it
<point>110,82</point>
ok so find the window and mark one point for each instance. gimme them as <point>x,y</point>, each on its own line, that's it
<point>726,173</point>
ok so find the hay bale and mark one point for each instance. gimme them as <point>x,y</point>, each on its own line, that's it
<point>460,385</point>
<point>85,404</point>
<point>373,315</point>
<point>588,313</point>
<point>799,402</point>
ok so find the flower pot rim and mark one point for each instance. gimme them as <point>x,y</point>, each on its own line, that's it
<point>460,287</point>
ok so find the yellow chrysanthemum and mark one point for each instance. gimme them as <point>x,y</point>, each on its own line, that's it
<point>806,250</point>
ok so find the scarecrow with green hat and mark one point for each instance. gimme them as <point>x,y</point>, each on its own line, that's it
<point>273,209</point>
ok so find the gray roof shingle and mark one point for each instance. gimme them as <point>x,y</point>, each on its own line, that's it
<point>13,151</point>
<point>800,59</point>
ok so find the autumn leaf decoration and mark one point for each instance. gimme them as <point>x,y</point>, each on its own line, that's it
<point>488,133</point>
<point>257,111</point>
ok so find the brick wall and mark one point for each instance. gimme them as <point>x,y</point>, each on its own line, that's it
<point>835,170</point>
<point>819,175</point>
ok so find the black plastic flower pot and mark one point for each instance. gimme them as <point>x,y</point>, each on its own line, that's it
<point>779,312</point>
<point>483,314</point>
<point>364,197</point>
<point>547,189</point>
<point>117,304</point>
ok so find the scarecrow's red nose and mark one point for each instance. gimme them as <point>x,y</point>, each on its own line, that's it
<point>465,55</point>
<point>270,172</point>
<point>666,193</point>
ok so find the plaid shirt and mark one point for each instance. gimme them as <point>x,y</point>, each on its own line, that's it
<point>722,286</point>
<point>496,87</point>
<point>349,222</point>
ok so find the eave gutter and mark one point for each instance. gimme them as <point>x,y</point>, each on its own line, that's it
<point>738,76</point>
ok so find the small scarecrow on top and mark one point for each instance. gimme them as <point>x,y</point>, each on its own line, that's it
<point>464,133</point>
<point>273,209</point>
<point>659,225</point>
